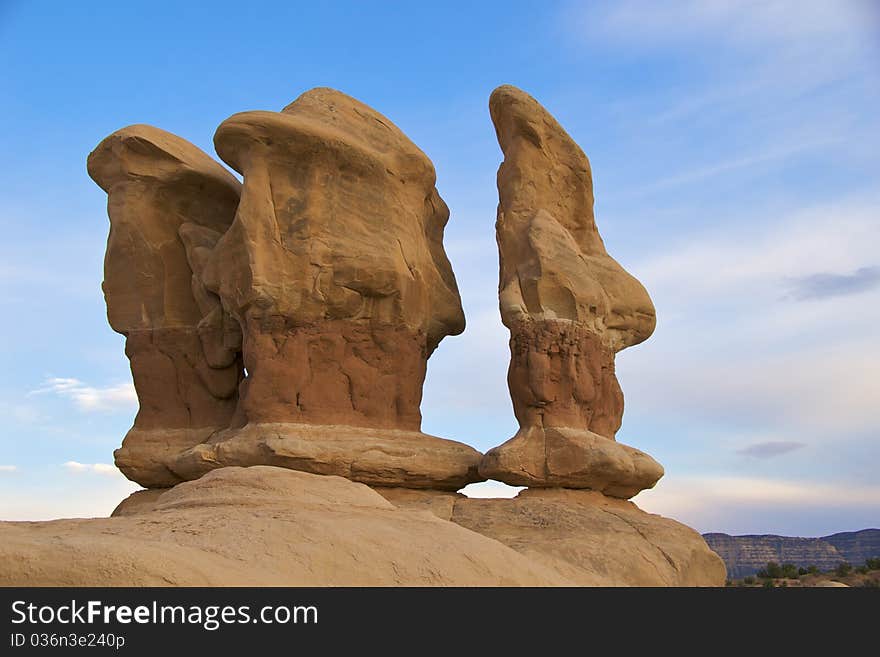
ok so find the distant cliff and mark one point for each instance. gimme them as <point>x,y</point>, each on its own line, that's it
<point>745,555</point>
<point>856,546</point>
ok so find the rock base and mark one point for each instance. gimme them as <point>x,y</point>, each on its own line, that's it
<point>379,457</point>
<point>268,526</point>
<point>261,526</point>
<point>545,457</point>
<point>589,538</point>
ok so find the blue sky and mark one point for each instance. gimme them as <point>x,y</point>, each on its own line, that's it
<point>736,158</point>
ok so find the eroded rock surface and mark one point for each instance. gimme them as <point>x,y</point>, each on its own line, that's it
<point>262,526</point>
<point>269,526</point>
<point>168,204</point>
<point>334,264</point>
<point>570,308</point>
<point>288,321</point>
<point>334,268</point>
<point>589,538</point>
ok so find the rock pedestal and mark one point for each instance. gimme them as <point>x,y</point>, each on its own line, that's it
<point>570,308</point>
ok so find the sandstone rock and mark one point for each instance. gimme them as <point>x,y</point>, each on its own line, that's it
<point>439,502</point>
<point>591,539</point>
<point>185,360</point>
<point>334,264</point>
<point>262,526</point>
<point>572,458</point>
<point>140,501</point>
<point>569,307</point>
<point>335,270</point>
<point>386,457</point>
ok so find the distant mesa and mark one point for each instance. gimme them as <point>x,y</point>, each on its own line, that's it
<point>746,555</point>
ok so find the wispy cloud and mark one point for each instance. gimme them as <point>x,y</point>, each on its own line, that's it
<point>836,237</point>
<point>741,505</point>
<point>90,398</point>
<point>735,348</point>
<point>737,22</point>
<point>8,468</point>
<point>96,468</point>
<point>771,448</point>
<point>824,285</point>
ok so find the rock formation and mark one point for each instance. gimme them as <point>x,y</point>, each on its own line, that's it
<point>327,281</point>
<point>268,526</point>
<point>168,203</point>
<point>287,321</point>
<point>570,308</point>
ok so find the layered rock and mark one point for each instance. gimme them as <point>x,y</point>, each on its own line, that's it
<point>168,204</point>
<point>746,555</point>
<point>327,285</point>
<point>570,308</point>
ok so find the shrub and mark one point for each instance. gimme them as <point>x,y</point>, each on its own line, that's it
<point>768,584</point>
<point>873,564</point>
<point>772,571</point>
<point>749,580</point>
<point>789,570</point>
<point>843,569</point>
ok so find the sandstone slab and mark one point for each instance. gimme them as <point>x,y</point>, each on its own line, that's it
<point>262,526</point>
<point>387,457</point>
<point>590,538</point>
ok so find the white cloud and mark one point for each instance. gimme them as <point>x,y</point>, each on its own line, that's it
<point>89,398</point>
<point>8,468</point>
<point>739,22</point>
<point>97,468</point>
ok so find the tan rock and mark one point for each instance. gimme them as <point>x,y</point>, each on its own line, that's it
<point>140,501</point>
<point>335,269</point>
<point>591,539</point>
<point>572,458</point>
<point>379,457</point>
<point>569,307</point>
<point>262,526</point>
<point>184,351</point>
<point>439,502</point>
